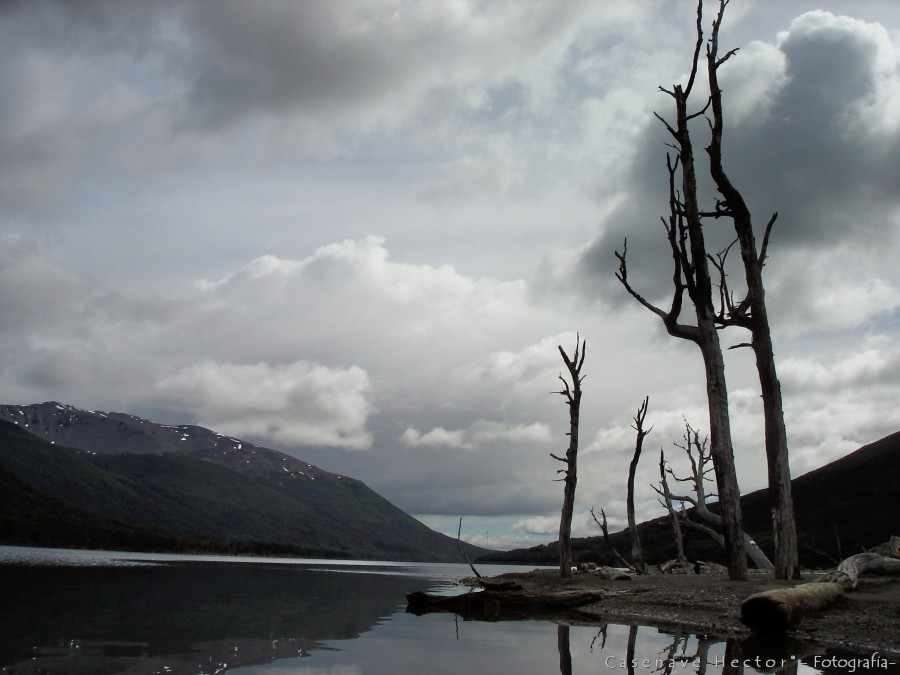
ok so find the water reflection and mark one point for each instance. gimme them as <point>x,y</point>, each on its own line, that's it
<point>180,618</point>
<point>261,618</point>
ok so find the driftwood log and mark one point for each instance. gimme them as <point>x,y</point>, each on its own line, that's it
<point>605,572</point>
<point>850,570</point>
<point>778,609</point>
<point>494,605</point>
<point>774,611</point>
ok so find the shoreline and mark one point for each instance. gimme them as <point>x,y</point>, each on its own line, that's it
<point>866,621</point>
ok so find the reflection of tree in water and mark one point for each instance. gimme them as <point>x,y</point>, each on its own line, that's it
<point>676,654</point>
<point>785,653</point>
<point>565,653</point>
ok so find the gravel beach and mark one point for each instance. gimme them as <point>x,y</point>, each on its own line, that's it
<point>867,620</point>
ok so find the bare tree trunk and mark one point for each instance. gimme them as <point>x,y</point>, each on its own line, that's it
<point>686,239</point>
<point>573,400</point>
<point>667,502</point>
<point>637,553</point>
<point>754,552</point>
<point>723,460</point>
<point>787,564</point>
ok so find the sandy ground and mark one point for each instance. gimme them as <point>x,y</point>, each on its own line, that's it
<point>867,620</point>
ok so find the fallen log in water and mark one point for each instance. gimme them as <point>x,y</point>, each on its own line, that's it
<point>493,605</point>
<point>776,610</point>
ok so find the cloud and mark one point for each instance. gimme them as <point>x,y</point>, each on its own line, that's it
<point>813,146</point>
<point>300,403</point>
<point>479,433</point>
<point>436,437</point>
<point>538,525</point>
<point>293,352</point>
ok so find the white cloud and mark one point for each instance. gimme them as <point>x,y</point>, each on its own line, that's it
<point>864,368</point>
<point>537,525</point>
<point>300,403</point>
<point>478,434</point>
<point>436,437</point>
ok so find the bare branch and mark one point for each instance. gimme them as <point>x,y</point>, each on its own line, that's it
<point>697,47</point>
<point>741,345</point>
<point>605,530</point>
<point>765,241</point>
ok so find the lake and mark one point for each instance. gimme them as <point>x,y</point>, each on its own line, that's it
<point>94,612</point>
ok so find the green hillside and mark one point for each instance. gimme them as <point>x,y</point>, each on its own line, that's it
<point>184,501</point>
<point>851,503</point>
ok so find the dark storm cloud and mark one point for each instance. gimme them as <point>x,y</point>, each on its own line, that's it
<point>251,57</point>
<point>822,153</point>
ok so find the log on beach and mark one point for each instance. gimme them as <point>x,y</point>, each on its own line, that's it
<point>491,605</point>
<point>848,572</point>
<point>776,610</point>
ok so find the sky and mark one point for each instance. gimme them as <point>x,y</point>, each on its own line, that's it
<point>358,232</point>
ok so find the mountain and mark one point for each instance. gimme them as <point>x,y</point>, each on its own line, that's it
<point>94,478</point>
<point>841,508</point>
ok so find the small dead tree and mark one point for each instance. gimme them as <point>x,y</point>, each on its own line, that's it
<point>572,394</point>
<point>699,456</point>
<point>637,553</point>
<point>605,529</point>
<point>673,514</point>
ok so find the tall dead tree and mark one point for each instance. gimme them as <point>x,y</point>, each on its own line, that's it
<point>684,228</point>
<point>637,553</point>
<point>752,314</point>
<point>572,394</point>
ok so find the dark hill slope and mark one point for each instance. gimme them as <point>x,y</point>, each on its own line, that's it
<point>185,497</point>
<point>853,499</point>
<point>30,518</point>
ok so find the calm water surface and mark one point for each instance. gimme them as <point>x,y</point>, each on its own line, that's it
<point>102,613</point>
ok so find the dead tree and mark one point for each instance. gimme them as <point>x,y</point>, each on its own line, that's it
<point>605,529</point>
<point>699,457</point>
<point>637,553</point>
<point>684,229</point>
<point>751,313</point>
<point>673,514</point>
<point>572,394</point>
